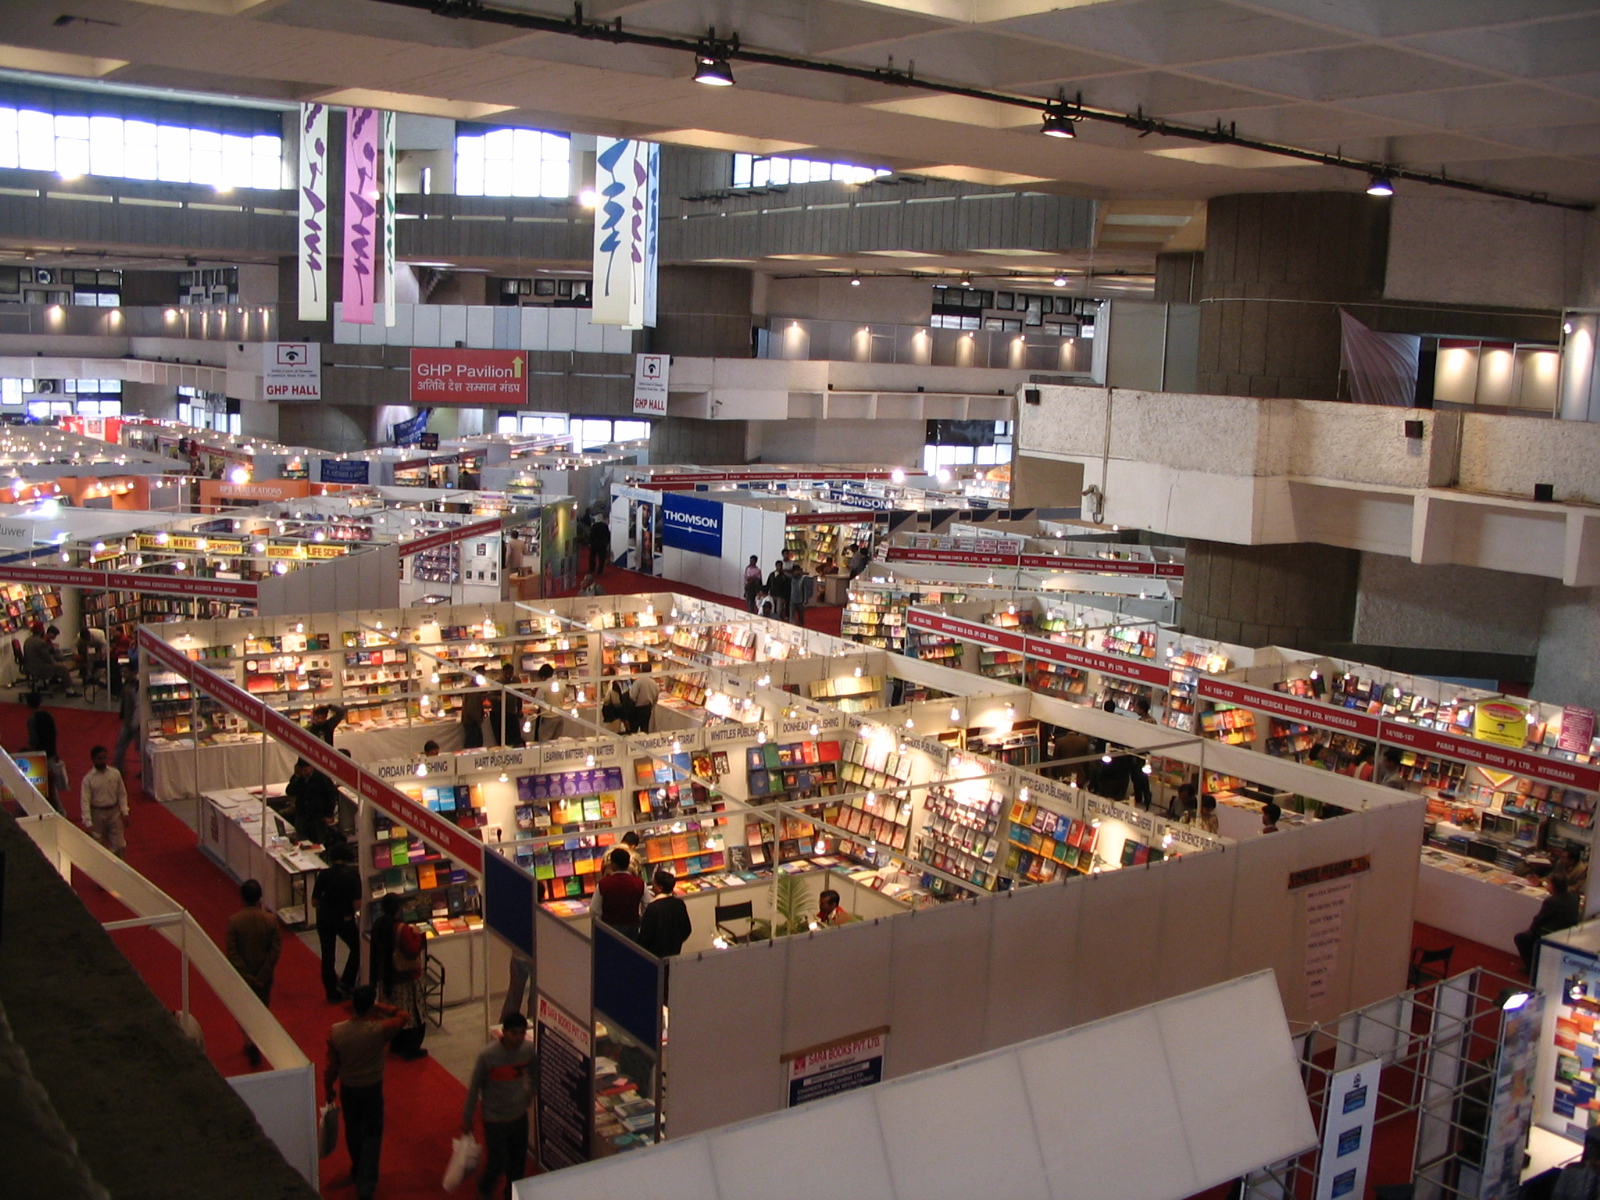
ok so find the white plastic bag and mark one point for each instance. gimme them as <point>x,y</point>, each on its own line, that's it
<point>327,1129</point>
<point>465,1154</point>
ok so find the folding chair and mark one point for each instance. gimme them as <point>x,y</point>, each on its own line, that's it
<point>1429,966</point>
<point>735,912</point>
<point>431,987</point>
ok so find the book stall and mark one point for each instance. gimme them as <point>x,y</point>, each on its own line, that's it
<point>1499,811</point>
<point>1036,551</point>
<point>811,762</point>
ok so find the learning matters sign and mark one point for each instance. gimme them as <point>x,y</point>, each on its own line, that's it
<point>692,524</point>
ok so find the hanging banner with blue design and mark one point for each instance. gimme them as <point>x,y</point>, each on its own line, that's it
<point>626,226</point>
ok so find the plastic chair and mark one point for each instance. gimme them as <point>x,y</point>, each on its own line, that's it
<point>1429,966</point>
<point>735,912</point>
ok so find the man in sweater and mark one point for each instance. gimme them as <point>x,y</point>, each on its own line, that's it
<point>503,1078</point>
<point>105,804</point>
<point>357,1051</point>
<point>253,944</point>
<point>665,926</point>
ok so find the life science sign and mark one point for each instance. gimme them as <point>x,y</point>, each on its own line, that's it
<point>692,524</point>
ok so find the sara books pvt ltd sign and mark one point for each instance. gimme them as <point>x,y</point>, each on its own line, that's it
<point>692,524</point>
<point>487,377</point>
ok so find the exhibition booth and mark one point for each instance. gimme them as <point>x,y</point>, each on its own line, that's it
<point>903,784</point>
<point>1509,782</point>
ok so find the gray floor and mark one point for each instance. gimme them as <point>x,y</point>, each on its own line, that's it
<point>456,1044</point>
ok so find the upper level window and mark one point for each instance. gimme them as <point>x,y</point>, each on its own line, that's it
<point>127,148</point>
<point>757,170</point>
<point>512,162</point>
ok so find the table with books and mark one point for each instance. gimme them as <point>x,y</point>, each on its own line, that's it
<point>231,820</point>
<point>175,769</point>
<point>1473,899</point>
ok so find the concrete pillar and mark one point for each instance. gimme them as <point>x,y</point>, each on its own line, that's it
<point>1179,276</point>
<point>1301,595</point>
<point>703,312</point>
<point>1277,268</point>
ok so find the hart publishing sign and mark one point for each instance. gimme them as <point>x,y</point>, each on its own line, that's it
<point>692,524</point>
<point>487,377</point>
<point>291,371</point>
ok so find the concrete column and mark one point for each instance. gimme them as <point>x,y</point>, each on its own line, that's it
<point>1276,270</point>
<point>1301,595</point>
<point>703,312</point>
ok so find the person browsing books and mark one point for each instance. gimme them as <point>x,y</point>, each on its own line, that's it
<point>665,926</point>
<point>502,1079</point>
<point>620,893</point>
<point>643,693</point>
<point>325,718</point>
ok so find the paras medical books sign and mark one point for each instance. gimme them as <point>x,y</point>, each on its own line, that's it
<point>692,524</point>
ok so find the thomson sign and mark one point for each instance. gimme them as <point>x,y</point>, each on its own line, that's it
<point>692,524</point>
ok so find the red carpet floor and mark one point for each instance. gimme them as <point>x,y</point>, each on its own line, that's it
<point>423,1099</point>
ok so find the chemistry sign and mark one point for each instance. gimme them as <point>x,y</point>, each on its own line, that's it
<point>492,378</point>
<point>692,524</point>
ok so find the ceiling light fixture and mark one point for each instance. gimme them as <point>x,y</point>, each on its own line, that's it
<point>1380,185</point>
<point>711,61</point>
<point>855,281</point>
<point>1059,281</point>
<point>1058,125</point>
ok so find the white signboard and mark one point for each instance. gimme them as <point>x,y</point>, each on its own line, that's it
<point>627,190</point>
<point>312,244</point>
<point>291,371</point>
<point>1325,909</point>
<point>1347,1132</point>
<point>841,1066</point>
<point>650,384</point>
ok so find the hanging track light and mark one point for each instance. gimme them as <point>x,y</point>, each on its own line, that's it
<point>1380,185</point>
<point>717,52</point>
<point>1058,124</point>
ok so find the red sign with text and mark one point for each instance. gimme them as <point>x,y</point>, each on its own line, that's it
<point>1290,708</point>
<point>469,377</point>
<point>1496,758</point>
<point>128,581</point>
<point>445,536</point>
<point>967,631</point>
<point>1106,664</point>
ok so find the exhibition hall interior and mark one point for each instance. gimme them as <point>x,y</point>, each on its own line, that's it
<point>596,599</point>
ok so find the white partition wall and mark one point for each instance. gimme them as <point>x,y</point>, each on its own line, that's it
<point>966,977</point>
<point>1155,1104</point>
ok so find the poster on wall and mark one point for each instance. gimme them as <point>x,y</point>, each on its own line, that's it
<point>291,371</point>
<point>842,1066</point>
<point>1511,1112</point>
<point>566,1087</point>
<point>692,524</point>
<point>650,384</point>
<point>1352,1107</point>
<point>312,245</point>
<point>1325,911</point>
<point>1577,729</point>
<point>1500,722</point>
<point>558,547</point>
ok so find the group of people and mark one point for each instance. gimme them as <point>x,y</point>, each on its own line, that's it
<point>660,925</point>
<point>789,589</point>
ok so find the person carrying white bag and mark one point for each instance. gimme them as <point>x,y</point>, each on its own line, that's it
<point>503,1078</point>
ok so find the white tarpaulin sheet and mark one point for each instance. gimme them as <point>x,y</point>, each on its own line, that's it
<point>1066,1115</point>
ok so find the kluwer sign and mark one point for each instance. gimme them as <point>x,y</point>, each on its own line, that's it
<point>488,377</point>
<point>692,524</point>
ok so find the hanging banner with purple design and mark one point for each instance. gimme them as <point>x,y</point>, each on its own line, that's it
<point>388,217</point>
<point>627,175</point>
<point>312,244</point>
<point>360,213</point>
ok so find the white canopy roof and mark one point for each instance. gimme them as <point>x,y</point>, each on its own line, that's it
<point>1153,1104</point>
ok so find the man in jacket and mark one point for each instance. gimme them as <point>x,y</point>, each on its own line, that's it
<point>665,926</point>
<point>337,895</point>
<point>1559,911</point>
<point>254,942</point>
<point>357,1051</point>
<point>599,547</point>
<point>802,587</point>
<point>778,589</point>
<point>502,1077</point>
<point>316,802</point>
<point>41,659</point>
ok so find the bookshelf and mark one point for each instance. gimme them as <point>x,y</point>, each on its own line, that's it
<point>961,835</point>
<point>1044,845</point>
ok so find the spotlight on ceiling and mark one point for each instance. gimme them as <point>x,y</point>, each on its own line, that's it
<point>855,281</point>
<point>711,68</point>
<point>1058,125</point>
<point>1060,281</point>
<point>966,281</point>
<point>1380,185</point>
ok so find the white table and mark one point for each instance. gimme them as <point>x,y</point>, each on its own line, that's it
<point>176,770</point>
<point>1474,908</point>
<point>231,832</point>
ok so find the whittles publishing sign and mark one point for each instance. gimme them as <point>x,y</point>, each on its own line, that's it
<point>692,524</point>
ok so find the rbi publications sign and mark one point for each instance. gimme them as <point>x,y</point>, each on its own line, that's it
<point>692,524</point>
<point>493,378</point>
<point>650,384</point>
<point>627,222</point>
<point>291,371</point>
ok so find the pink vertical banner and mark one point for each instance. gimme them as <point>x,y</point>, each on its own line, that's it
<point>360,213</point>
